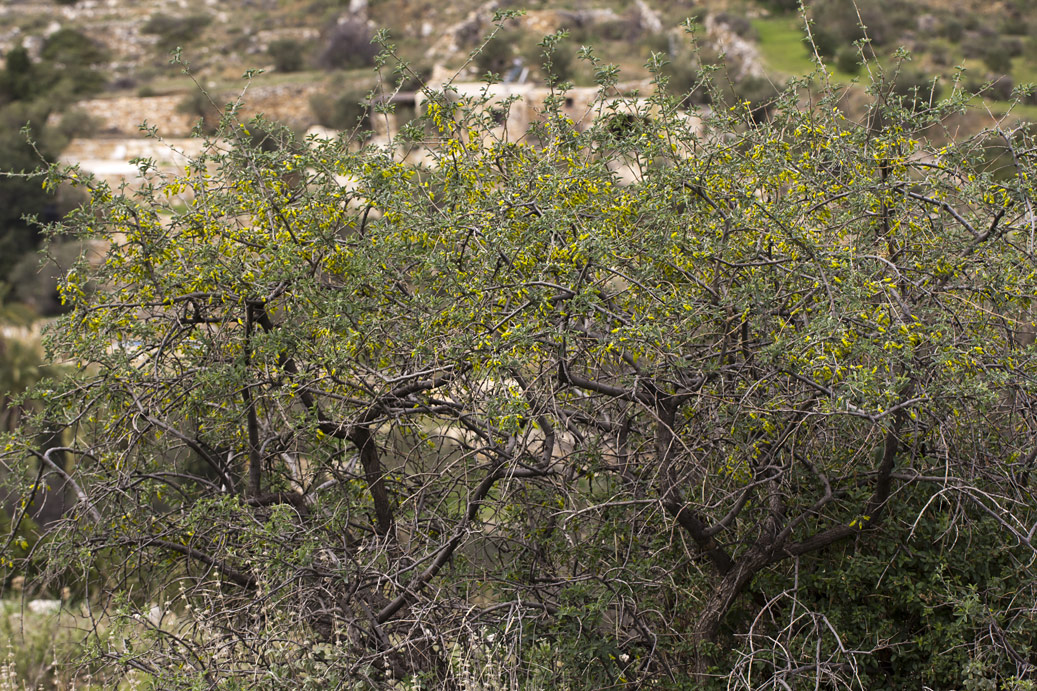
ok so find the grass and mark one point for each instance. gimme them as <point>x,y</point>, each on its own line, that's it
<point>36,649</point>
<point>781,45</point>
<point>50,650</point>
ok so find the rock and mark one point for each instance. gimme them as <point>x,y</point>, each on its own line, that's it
<point>44,606</point>
<point>648,18</point>
<point>743,57</point>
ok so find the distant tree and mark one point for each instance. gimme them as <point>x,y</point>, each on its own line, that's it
<point>838,23</point>
<point>343,109</point>
<point>21,195</point>
<point>346,45</point>
<point>287,54</point>
<point>18,79</point>
<point>498,54</point>
<point>72,65</point>
<point>847,60</point>
<point>997,57</point>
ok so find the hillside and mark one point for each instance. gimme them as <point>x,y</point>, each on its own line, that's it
<point>95,70</point>
<point>307,41</point>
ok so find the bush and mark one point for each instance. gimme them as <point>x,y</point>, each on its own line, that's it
<point>684,82</point>
<point>998,58</point>
<point>836,24</point>
<point>953,30</point>
<point>287,55</point>
<point>754,95</point>
<point>1001,87</point>
<point>347,45</point>
<point>556,59</point>
<point>847,60</point>
<point>35,279</point>
<point>498,54</point>
<point>70,48</point>
<point>737,23</point>
<point>645,402</point>
<point>21,195</point>
<point>76,122</point>
<point>19,81</point>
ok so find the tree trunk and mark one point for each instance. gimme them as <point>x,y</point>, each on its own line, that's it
<point>728,588</point>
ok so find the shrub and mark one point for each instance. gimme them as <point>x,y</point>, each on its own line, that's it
<point>685,83</point>
<point>19,81</point>
<point>346,45</point>
<point>644,402</point>
<point>70,48</point>
<point>756,96</point>
<point>76,122</point>
<point>836,24</point>
<point>499,53</point>
<point>201,105</point>
<point>998,57</point>
<point>953,30</point>
<point>1001,87</point>
<point>287,55</point>
<point>556,57</point>
<point>847,60</point>
<point>737,23</point>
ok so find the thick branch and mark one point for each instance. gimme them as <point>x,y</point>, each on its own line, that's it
<point>255,468</point>
<point>237,577</point>
<point>873,509</point>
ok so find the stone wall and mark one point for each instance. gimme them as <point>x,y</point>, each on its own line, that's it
<point>123,115</point>
<point>109,158</point>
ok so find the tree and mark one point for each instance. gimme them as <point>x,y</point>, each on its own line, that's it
<point>287,54</point>
<point>608,409</point>
<point>20,193</point>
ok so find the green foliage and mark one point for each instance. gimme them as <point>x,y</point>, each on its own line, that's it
<point>997,57</point>
<point>915,90</point>
<point>685,82</point>
<point>70,48</point>
<point>20,193</point>
<point>17,81</point>
<point>847,60</point>
<point>632,401</point>
<point>287,54</point>
<point>556,57</point>
<point>919,598</point>
<point>29,92</point>
<point>35,279</point>
<point>839,23</point>
<point>498,53</point>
